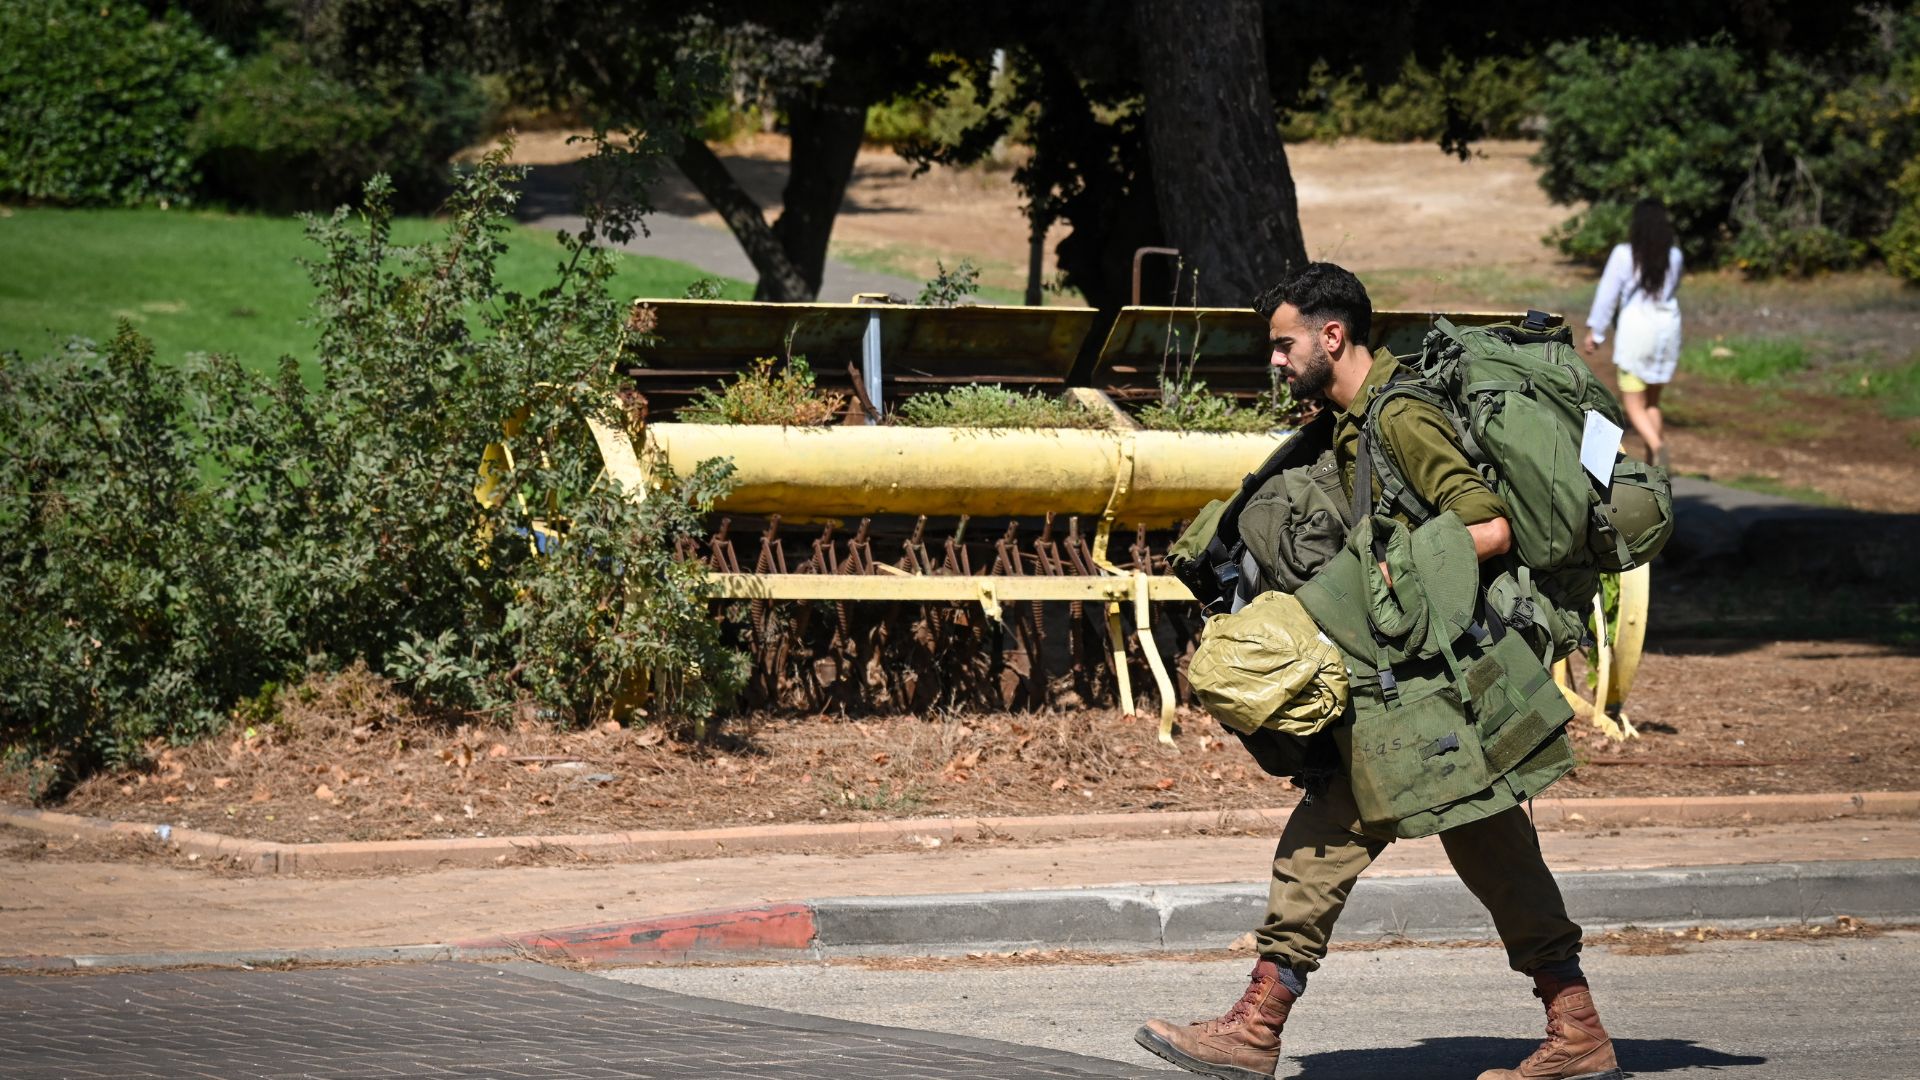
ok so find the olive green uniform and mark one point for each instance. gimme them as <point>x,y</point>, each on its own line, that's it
<point>1324,847</point>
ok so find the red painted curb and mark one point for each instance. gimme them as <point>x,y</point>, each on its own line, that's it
<point>728,933</point>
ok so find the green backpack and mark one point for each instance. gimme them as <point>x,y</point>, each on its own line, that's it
<point>1518,398</point>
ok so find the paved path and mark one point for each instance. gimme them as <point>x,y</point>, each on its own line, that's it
<point>59,907</point>
<point>1815,1010</point>
<point>453,1020</point>
<point>547,203</point>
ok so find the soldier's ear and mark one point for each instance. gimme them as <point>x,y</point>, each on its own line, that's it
<point>1333,335</point>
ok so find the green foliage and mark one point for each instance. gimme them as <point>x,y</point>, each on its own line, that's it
<point>134,609</point>
<point>1626,120</point>
<point>948,288</point>
<point>989,405</point>
<point>768,392</point>
<point>1493,98</point>
<point>1782,165</point>
<point>1185,404</point>
<point>284,134</point>
<point>939,114</point>
<point>1900,244</point>
<point>96,101</point>
<point>1747,361</point>
<point>177,537</point>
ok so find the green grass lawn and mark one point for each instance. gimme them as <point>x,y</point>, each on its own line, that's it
<point>211,282</point>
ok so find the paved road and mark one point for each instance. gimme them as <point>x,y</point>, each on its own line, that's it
<point>547,202</point>
<point>1838,1009</point>
<point>1842,1010</point>
<point>457,1020</point>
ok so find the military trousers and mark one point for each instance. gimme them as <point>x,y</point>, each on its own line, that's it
<point>1322,852</point>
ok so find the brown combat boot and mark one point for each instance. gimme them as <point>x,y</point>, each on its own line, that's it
<point>1577,1047</point>
<point>1242,1045</point>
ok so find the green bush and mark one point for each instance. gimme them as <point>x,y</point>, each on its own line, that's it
<point>1681,124</point>
<point>989,405</point>
<point>285,134</point>
<point>938,115</point>
<point>1494,98</point>
<point>178,537</point>
<point>1783,165</point>
<point>96,102</point>
<point>1901,242</point>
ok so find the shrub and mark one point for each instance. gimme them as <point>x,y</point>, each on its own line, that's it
<point>1681,124</point>
<point>950,288</point>
<point>937,114</point>
<point>285,134</point>
<point>1494,98</point>
<point>768,392</point>
<point>989,405</point>
<point>1901,242</point>
<point>1786,165</point>
<point>96,102</point>
<point>134,612</point>
<point>176,539</point>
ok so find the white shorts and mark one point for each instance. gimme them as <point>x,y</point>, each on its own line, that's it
<point>1646,341</point>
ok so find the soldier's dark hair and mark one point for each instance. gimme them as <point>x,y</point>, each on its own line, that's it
<point>1323,291</point>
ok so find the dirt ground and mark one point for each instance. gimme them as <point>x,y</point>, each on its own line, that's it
<point>351,763</point>
<point>1370,206</point>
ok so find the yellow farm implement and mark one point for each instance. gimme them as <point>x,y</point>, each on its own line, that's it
<point>877,565</point>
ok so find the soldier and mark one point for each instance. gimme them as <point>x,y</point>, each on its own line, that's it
<point>1319,320</point>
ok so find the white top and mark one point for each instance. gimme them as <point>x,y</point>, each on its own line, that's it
<point>1620,289</point>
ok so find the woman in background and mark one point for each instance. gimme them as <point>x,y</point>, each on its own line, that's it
<point>1638,287</point>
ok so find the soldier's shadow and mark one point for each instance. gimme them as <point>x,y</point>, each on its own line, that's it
<point>1452,1058</point>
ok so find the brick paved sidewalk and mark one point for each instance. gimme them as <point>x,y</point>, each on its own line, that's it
<point>447,1020</point>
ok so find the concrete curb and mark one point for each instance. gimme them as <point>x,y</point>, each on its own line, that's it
<point>1129,919</point>
<point>271,857</point>
<point>1184,917</point>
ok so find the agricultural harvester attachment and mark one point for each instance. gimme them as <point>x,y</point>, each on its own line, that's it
<point>874,565</point>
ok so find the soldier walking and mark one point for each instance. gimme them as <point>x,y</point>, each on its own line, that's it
<point>1319,321</point>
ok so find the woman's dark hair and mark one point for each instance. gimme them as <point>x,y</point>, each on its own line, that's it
<point>1323,291</point>
<point>1651,238</point>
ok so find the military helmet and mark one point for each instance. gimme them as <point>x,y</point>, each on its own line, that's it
<point>1640,512</point>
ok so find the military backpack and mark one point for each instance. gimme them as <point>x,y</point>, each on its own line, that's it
<point>1518,399</point>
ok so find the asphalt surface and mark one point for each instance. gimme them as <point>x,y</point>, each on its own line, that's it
<point>457,1020</point>
<point>1840,1009</point>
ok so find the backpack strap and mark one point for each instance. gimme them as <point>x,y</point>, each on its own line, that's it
<point>1372,454</point>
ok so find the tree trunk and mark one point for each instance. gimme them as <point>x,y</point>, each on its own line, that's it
<point>791,254</point>
<point>1220,174</point>
<point>780,278</point>
<point>826,139</point>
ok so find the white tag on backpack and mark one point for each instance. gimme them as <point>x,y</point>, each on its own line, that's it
<point>1599,445</point>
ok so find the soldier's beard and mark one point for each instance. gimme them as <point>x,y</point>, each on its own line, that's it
<point>1311,379</point>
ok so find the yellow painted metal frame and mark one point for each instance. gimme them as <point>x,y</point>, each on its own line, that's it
<point>627,466</point>
<point>1616,658</point>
